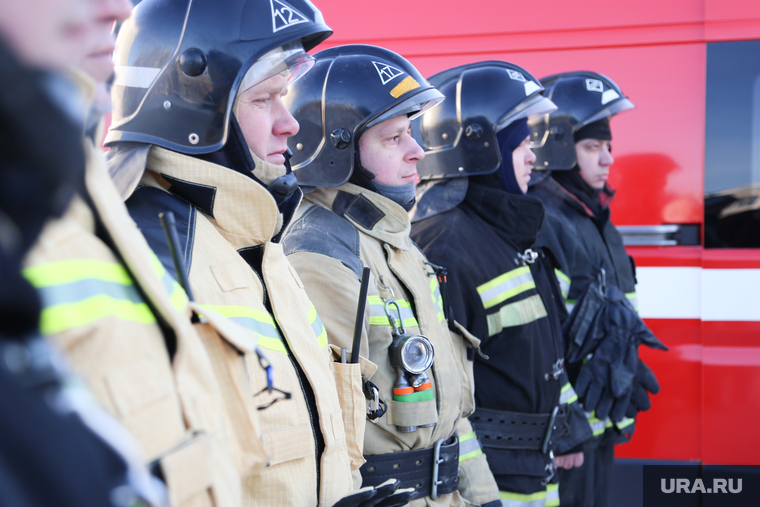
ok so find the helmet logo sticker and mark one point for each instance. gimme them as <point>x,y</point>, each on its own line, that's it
<point>284,15</point>
<point>594,85</point>
<point>531,88</point>
<point>609,95</point>
<point>516,75</point>
<point>387,73</point>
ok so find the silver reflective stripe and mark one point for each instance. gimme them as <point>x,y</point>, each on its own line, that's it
<point>570,304</point>
<point>468,446</point>
<point>564,282</point>
<point>53,295</point>
<point>547,498</point>
<point>377,316</point>
<point>597,426</point>
<point>518,313</point>
<point>567,394</point>
<point>437,299</point>
<point>633,299</point>
<point>135,77</point>
<point>506,286</point>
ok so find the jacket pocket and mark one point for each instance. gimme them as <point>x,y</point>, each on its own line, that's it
<point>197,474</point>
<point>348,381</point>
<point>229,276</point>
<point>466,340</point>
<point>415,413</point>
<point>287,444</point>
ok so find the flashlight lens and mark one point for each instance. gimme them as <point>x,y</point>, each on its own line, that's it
<point>417,354</point>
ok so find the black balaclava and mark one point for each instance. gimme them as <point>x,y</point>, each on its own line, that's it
<point>572,180</point>
<point>509,138</point>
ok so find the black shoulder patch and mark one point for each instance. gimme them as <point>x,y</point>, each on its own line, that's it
<point>358,208</point>
<point>202,196</point>
<point>321,231</point>
<point>144,206</point>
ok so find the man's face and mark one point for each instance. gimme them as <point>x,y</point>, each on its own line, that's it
<point>522,160</point>
<point>100,40</point>
<point>265,121</point>
<point>48,34</point>
<point>389,151</point>
<point>594,161</point>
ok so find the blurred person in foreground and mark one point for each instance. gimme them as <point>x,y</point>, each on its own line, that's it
<point>598,278</point>
<point>125,325</point>
<point>57,447</point>
<point>503,290</point>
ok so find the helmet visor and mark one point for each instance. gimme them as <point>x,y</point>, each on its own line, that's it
<point>536,105</point>
<point>616,107</point>
<point>413,107</point>
<point>290,59</point>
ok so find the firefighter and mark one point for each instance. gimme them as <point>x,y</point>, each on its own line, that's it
<point>57,447</point>
<point>124,324</point>
<point>199,121</point>
<point>503,291</point>
<point>355,157</point>
<point>573,149</point>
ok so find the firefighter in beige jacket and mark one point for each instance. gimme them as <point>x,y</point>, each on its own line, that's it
<point>366,96</point>
<point>219,165</point>
<point>124,324</point>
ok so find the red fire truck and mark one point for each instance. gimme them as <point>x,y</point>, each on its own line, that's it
<point>687,171</point>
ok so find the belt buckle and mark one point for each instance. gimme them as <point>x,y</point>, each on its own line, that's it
<point>437,460</point>
<point>549,429</point>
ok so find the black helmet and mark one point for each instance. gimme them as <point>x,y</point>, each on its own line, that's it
<point>180,64</point>
<point>459,138</point>
<point>582,98</point>
<point>349,90</point>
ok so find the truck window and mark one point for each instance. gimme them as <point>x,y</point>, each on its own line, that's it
<point>732,145</point>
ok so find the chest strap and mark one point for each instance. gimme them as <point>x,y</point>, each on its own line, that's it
<point>513,430</point>
<point>431,472</point>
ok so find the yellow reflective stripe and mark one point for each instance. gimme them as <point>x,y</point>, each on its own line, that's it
<point>518,313</point>
<point>469,446</point>
<point>58,318</point>
<point>623,423</point>
<point>597,426</point>
<point>567,395</point>
<point>435,290</point>
<point>377,316</point>
<point>633,299</point>
<point>61,272</point>
<point>176,293</point>
<point>261,323</point>
<point>547,498</point>
<point>564,282</point>
<point>506,286</point>
<point>317,326</point>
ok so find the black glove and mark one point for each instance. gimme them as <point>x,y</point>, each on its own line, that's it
<point>608,376</point>
<point>644,382</point>
<point>384,495</point>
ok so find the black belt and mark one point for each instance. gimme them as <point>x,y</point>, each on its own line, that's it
<point>431,472</point>
<point>512,430</point>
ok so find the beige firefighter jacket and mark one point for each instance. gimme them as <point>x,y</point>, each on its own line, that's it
<point>398,270</point>
<point>269,300</point>
<point>190,410</point>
